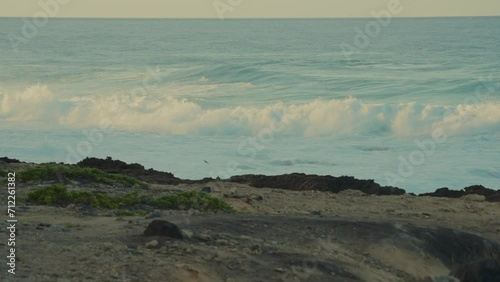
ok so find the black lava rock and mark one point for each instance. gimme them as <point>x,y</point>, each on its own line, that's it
<point>325,183</point>
<point>483,270</point>
<point>163,228</point>
<point>133,170</point>
<point>9,161</point>
<point>259,198</point>
<point>491,195</point>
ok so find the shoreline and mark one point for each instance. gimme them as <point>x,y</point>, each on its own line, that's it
<point>292,181</point>
<point>274,234</point>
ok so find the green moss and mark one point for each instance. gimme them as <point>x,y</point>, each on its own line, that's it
<point>191,200</point>
<point>65,173</point>
<point>58,195</point>
<point>53,195</point>
<point>104,201</point>
<point>132,199</point>
<point>98,200</point>
<point>3,173</point>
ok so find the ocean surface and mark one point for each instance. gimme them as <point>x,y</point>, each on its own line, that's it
<point>414,103</point>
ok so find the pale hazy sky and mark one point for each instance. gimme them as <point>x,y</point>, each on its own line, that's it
<point>250,8</point>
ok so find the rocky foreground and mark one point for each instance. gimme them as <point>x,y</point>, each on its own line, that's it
<point>339,229</point>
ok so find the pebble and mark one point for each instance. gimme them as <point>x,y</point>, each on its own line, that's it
<point>203,237</point>
<point>256,249</point>
<point>42,226</point>
<point>152,244</point>
<point>187,233</point>
<point>223,236</point>
<point>316,212</point>
<point>154,214</point>
<point>246,237</point>
<point>221,242</point>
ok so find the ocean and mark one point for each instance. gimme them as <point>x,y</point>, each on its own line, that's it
<point>413,103</point>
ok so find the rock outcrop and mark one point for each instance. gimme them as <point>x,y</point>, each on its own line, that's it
<point>490,195</point>
<point>292,181</point>
<point>304,182</point>
<point>9,160</point>
<point>133,170</point>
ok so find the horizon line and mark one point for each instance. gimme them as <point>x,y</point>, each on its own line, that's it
<point>249,18</point>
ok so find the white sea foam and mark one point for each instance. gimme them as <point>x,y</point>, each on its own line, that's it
<point>176,115</point>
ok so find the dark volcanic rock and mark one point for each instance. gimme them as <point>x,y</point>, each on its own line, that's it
<point>483,270</point>
<point>108,164</point>
<point>491,195</point>
<point>10,161</point>
<point>445,192</point>
<point>206,189</point>
<point>301,181</point>
<point>133,170</point>
<point>452,248</point>
<point>163,228</point>
<point>293,181</point>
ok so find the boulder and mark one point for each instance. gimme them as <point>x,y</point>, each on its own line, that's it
<point>206,189</point>
<point>163,228</point>
<point>152,245</point>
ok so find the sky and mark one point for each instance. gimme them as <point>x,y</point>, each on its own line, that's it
<point>248,8</point>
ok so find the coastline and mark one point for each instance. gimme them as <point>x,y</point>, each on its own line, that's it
<point>292,181</point>
<point>275,235</point>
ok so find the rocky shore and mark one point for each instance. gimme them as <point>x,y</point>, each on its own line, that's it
<point>293,227</point>
<point>293,181</point>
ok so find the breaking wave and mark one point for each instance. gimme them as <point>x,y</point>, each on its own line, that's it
<point>175,115</point>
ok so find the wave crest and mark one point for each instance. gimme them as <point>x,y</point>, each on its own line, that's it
<point>174,115</point>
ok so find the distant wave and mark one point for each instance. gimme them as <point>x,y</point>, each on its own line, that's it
<point>292,162</point>
<point>174,115</point>
<point>228,73</point>
<point>372,148</point>
<point>490,172</point>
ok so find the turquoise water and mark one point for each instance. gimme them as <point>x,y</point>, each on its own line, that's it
<point>416,106</point>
